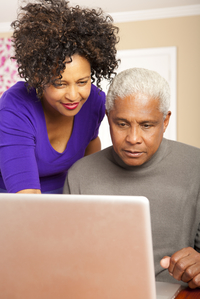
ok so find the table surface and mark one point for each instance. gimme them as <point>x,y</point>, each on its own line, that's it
<point>189,294</point>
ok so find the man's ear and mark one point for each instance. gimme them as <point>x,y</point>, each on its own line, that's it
<point>107,114</point>
<point>166,120</point>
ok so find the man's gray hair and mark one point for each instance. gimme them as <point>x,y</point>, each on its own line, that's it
<point>139,81</point>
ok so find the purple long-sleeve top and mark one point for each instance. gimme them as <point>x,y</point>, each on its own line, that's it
<point>27,159</point>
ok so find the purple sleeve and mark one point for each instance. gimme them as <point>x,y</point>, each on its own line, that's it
<point>17,152</point>
<point>100,115</point>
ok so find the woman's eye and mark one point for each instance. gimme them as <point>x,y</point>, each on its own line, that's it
<point>59,85</point>
<point>82,82</point>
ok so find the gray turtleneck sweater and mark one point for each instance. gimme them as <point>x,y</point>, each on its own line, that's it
<point>171,182</point>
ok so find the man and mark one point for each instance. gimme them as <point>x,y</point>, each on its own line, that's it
<point>142,162</point>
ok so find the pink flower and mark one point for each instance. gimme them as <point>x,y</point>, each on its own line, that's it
<point>2,61</point>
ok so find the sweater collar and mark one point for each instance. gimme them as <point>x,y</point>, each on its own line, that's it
<point>159,154</point>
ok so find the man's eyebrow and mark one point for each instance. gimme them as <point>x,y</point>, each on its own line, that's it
<point>149,121</point>
<point>120,119</point>
<point>141,122</point>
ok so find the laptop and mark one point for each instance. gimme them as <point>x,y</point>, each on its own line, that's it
<point>77,247</point>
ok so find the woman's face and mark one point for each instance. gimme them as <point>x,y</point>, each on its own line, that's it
<point>69,93</point>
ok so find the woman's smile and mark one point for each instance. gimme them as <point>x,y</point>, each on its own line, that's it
<point>71,106</point>
<point>70,93</point>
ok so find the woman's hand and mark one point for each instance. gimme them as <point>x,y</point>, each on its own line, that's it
<point>30,191</point>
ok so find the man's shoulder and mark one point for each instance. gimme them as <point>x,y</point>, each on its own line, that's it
<point>184,153</point>
<point>183,147</point>
<point>92,160</point>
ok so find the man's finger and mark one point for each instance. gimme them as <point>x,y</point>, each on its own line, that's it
<point>165,262</point>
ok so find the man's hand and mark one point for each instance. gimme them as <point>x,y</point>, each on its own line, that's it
<point>184,265</point>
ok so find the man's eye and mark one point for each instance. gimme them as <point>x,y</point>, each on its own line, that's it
<point>121,125</point>
<point>146,126</point>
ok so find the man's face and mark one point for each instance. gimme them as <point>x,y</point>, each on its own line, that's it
<point>136,128</point>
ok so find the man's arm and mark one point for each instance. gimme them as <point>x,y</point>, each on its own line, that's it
<point>184,265</point>
<point>93,147</point>
<point>66,189</point>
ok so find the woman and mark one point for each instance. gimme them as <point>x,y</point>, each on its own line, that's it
<point>52,120</point>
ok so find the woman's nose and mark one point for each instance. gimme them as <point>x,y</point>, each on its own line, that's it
<point>72,93</point>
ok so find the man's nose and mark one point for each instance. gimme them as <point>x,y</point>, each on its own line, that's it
<point>134,135</point>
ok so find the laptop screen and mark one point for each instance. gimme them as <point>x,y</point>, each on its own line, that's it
<point>75,246</point>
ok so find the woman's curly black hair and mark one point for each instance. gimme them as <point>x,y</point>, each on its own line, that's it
<point>48,31</point>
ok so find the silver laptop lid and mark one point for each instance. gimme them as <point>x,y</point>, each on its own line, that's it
<point>76,247</point>
<point>166,290</point>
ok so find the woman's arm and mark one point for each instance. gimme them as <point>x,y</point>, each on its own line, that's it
<point>93,147</point>
<point>18,162</point>
<point>30,191</point>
